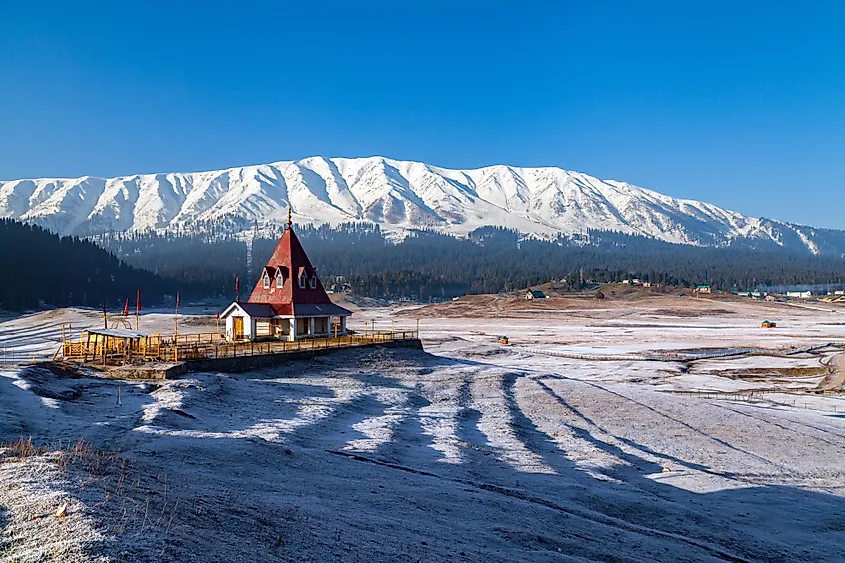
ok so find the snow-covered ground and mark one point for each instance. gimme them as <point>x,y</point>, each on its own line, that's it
<point>469,451</point>
<point>36,336</point>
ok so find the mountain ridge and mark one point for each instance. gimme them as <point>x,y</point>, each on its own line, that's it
<point>400,195</point>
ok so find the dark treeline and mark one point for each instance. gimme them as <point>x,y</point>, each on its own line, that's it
<point>203,265</point>
<point>492,260</point>
<point>41,267</point>
<point>430,265</point>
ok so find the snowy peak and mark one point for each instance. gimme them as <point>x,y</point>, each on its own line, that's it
<point>398,195</point>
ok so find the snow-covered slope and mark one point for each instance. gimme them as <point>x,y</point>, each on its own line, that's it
<point>395,194</point>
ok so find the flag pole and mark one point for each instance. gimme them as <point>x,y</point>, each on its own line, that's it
<point>138,312</point>
<point>176,331</point>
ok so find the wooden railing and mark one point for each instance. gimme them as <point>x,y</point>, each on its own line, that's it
<point>205,346</point>
<point>203,351</point>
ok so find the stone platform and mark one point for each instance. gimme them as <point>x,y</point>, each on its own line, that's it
<point>257,361</point>
<point>148,371</point>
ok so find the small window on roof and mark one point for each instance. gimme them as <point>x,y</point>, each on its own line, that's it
<point>280,280</point>
<point>266,281</point>
<point>302,280</point>
<point>313,282</point>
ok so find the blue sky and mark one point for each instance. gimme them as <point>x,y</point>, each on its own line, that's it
<point>741,104</point>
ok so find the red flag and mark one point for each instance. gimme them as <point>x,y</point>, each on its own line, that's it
<point>237,289</point>
<point>126,308</point>
<point>218,315</point>
<point>138,302</point>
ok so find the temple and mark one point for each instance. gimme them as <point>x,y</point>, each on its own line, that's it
<point>288,302</point>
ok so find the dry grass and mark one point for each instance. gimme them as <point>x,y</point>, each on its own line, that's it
<point>63,455</point>
<point>689,313</point>
<point>20,450</point>
<point>773,371</point>
<point>197,320</point>
<point>103,495</point>
<point>641,302</point>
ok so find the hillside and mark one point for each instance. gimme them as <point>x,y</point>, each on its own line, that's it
<point>41,267</point>
<point>428,265</point>
<point>397,195</point>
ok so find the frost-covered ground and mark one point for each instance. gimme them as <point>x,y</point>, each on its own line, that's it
<point>36,336</point>
<point>469,451</point>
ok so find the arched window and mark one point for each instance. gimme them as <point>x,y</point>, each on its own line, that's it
<point>302,279</point>
<point>280,279</point>
<point>314,282</point>
<point>266,281</point>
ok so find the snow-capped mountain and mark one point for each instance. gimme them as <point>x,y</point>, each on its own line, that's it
<point>397,195</point>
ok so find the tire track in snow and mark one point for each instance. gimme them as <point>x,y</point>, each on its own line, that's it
<point>769,420</point>
<point>686,425</point>
<point>583,514</point>
<point>501,424</point>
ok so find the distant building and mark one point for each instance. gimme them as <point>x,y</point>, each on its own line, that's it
<point>799,294</point>
<point>839,292</point>
<point>340,288</point>
<point>703,289</point>
<point>535,294</point>
<point>288,302</point>
<point>748,293</point>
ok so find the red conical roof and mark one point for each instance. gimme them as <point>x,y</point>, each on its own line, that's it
<point>290,259</point>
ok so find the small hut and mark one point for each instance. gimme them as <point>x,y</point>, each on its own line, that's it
<point>108,344</point>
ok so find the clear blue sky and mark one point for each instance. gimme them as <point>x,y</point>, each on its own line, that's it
<point>741,104</point>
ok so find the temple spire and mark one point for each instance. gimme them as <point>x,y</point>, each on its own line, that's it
<point>290,220</point>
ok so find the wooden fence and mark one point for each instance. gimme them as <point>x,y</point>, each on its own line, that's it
<point>206,346</point>
<point>797,399</point>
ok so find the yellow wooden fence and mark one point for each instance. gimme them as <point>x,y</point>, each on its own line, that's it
<point>204,346</point>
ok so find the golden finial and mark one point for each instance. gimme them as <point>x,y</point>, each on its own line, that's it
<point>290,220</point>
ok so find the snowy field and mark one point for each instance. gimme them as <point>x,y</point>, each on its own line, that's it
<point>573,443</point>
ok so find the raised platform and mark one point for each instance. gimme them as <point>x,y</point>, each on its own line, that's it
<point>229,364</point>
<point>157,370</point>
<point>200,348</point>
<point>257,361</point>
